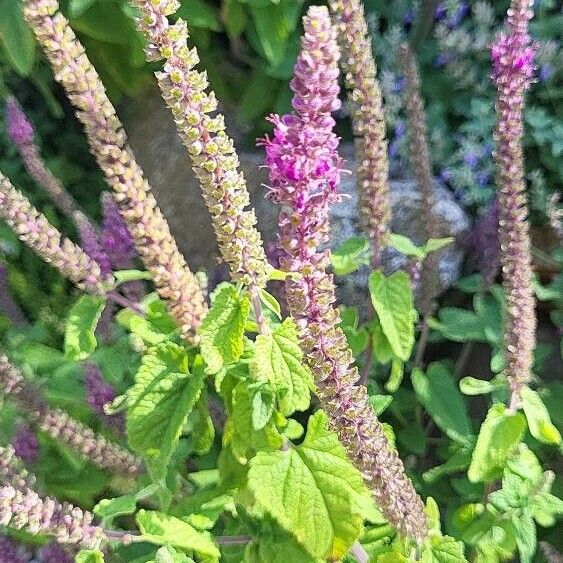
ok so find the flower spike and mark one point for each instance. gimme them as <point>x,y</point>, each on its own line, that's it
<point>175,283</point>
<point>513,69</point>
<point>304,175</point>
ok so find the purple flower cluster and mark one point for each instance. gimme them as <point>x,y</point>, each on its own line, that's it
<point>513,71</point>
<point>55,553</point>
<point>18,127</point>
<point>9,553</point>
<point>304,174</point>
<point>99,393</point>
<point>116,238</point>
<point>90,242</point>
<point>484,241</point>
<point>25,444</point>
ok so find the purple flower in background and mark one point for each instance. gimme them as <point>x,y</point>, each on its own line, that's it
<point>400,129</point>
<point>9,553</point>
<point>408,18</point>
<point>399,84</point>
<point>546,72</point>
<point>90,242</point>
<point>484,241</point>
<point>443,59</point>
<point>471,159</point>
<point>393,149</point>
<point>482,177</point>
<point>116,238</point>
<point>99,393</point>
<point>441,11</point>
<point>457,17</point>
<point>55,553</point>
<point>445,175</point>
<point>18,127</point>
<point>25,444</point>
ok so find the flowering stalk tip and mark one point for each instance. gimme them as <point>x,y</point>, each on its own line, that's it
<point>368,120</point>
<point>513,69</point>
<point>305,171</point>
<point>175,283</point>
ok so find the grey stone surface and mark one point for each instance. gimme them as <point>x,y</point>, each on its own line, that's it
<point>155,142</point>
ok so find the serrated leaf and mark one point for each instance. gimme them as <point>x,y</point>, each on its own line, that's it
<point>525,529</point>
<point>278,359</point>
<point>263,405</point>
<point>314,483</point>
<point>275,549</point>
<point>439,394</point>
<point>203,430</point>
<point>80,339</point>
<point>89,556</point>
<point>16,37</point>
<point>393,302</point>
<point>435,244</point>
<point>379,403</point>
<point>222,330</point>
<point>163,396</point>
<point>458,462</point>
<point>443,549</point>
<point>499,435</point>
<point>405,245</point>
<point>270,302</point>
<point>160,529</point>
<point>239,431</point>
<point>350,255</point>
<point>539,421</point>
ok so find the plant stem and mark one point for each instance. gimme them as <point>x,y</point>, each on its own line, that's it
<point>233,540</point>
<point>263,327</point>
<point>422,342</point>
<point>124,302</point>
<point>366,368</point>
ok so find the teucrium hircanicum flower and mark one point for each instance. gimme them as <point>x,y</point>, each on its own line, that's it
<point>25,444</point>
<point>90,243</point>
<point>213,156</point>
<point>24,509</point>
<point>174,281</point>
<point>422,168</point>
<point>368,120</point>
<point>59,426</point>
<point>513,68</point>
<point>9,552</point>
<point>12,471</point>
<point>21,133</point>
<point>47,242</point>
<point>304,175</point>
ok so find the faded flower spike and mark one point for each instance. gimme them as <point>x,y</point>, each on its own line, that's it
<point>108,143</point>
<point>116,238</point>
<point>304,174</point>
<point>513,68</point>
<point>12,471</point>
<point>48,243</point>
<point>26,510</point>
<point>99,393</point>
<point>90,243</point>
<point>25,444</point>
<point>59,426</point>
<point>213,156</point>
<point>21,133</point>
<point>368,120</point>
<point>422,168</point>
<point>9,552</point>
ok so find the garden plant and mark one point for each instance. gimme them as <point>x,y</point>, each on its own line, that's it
<point>150,413</point>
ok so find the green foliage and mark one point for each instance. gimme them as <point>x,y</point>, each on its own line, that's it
<point>393,302</point>
<point>80,340</point>
<point>538,418</point>
<point>223,328</point>
<point>292,485</point>
<point>162,398</point>
<point>350,256</point>
<point>498,437</point>
<point>89,556</point>
<point>15,37</point>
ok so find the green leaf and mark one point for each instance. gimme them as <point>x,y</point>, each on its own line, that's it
<point>80,340</point>
<point>239,430</point>
<point>279,548</point>
<point>459,325</point>
<point>443,549</point>
<point>222,330</point>
<point>405,245</point>
<point>200,14</point>
<point>539,421</point>
<point>124,276</point>
<point>413,439</point>
<point>108,509</point>
<point>393,302</point>
<point>278,359</point>
<point>77,7</point>
<point>89,556</point>
<point>500,433</point>
<point>270,302</point>
<point>525,535</point>
<point>263,405</point>
<point>350,255</point>
<point>396,376</point>
<point>457,462</point>
<point>439,394</point>
<point>16,37</point>
<point>472,386</point>
<point>203,430</point>
<point>161,529</point>
<point>163,396</point>
<point>234,17</point>
<point>379,403</point>
<point>314,483</point>
<point>435,244</point>
<point>168,554</point>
